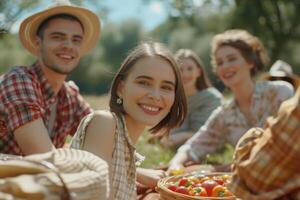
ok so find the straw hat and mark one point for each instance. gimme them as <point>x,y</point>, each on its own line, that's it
<point>281,69</point>
<point>89,20</point>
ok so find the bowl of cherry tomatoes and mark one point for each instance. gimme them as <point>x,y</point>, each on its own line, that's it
<point>201,186</point>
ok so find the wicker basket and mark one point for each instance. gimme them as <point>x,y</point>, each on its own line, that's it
<point>166,194</point>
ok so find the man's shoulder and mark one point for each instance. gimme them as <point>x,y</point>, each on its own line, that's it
<point>15,72</point>
<point>20,75</point>
<point>71,87</point>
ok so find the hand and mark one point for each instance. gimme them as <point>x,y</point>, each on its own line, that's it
<point>149,177</point>
<point>177,162</point>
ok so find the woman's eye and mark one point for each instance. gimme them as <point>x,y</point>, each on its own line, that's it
<point>219,63</point>
<point>190,69</point>
<point>231,59</point>
<point>168,87</point>
<point>145,83</point>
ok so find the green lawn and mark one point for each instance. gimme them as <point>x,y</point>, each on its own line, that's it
<point>154,153</point>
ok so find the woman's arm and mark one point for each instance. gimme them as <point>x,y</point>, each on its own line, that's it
<point>96,135</point>
<point>99,137</point>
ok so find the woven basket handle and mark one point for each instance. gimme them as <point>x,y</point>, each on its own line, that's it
<point>65,194</point>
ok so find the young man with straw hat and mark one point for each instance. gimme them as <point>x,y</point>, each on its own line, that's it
<point>38,108</point>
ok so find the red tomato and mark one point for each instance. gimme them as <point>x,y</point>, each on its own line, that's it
<point>184,182</point>
<point>221,191</point>
<point>209,186</point>
<point>198,191</point>
<point>182,190</point>
<point>219,180</point>
<point>173,187</point>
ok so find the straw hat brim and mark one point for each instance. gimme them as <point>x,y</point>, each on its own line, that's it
<point>89,20</point>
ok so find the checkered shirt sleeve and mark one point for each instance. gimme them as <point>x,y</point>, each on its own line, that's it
<point>19,100</point>
<point>266,161</point>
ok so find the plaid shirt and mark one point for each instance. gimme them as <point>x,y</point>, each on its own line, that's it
<point>26,95</point>
<point>266,162</point>
<point>227,124</point>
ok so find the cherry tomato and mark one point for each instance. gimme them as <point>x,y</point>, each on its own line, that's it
<point>182,190</point>
<point>184,182</point>
<point>173,187</point>
<point>221,191</point>
<point>219,180</point>
<point>209,186</point>
<point>198,191</point>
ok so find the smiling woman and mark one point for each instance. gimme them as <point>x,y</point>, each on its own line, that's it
<point>146,92</point>
<point>237,56</point>
<point>202,97</point>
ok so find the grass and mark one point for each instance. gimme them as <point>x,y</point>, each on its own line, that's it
<point>154,153</point>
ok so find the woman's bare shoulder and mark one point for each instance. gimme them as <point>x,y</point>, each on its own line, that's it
<point>103,120</point>
<point>100,134</point>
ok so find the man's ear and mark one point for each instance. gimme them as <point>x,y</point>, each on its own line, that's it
<point>38,43</point>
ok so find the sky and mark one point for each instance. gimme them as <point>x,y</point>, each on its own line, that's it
<point>150,14</point>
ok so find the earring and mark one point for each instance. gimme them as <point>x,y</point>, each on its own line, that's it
<point>119,101</point>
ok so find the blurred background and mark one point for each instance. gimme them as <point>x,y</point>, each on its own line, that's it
<point>177,23</point>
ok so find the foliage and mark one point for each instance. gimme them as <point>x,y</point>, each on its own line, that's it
<point>274,21</point>
<point>191,24</point>
<point>11,10</point>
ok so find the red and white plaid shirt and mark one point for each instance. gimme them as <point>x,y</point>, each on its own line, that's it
<point>26,95</point>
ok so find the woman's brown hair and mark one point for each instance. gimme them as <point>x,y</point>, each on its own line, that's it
<point>202,81</point>
<point>250,47</point>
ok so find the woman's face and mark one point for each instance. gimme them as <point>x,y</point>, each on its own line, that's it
<point>189,74</point>
<point>231,66</point>
<point>148,92</point>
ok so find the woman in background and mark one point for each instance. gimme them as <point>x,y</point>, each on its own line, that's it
<point>202,97</point>
<point>237,56</point>
<point>146,92</point>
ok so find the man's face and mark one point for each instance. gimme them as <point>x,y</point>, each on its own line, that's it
<point>60,47</point>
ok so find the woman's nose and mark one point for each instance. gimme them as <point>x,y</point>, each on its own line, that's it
<point>154,94</point>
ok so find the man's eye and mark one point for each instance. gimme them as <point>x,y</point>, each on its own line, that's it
<point>77,40</point>
<point>57,37</point>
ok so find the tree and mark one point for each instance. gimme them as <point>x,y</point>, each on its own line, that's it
<point>274,21</point>
<point>11,10</point>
